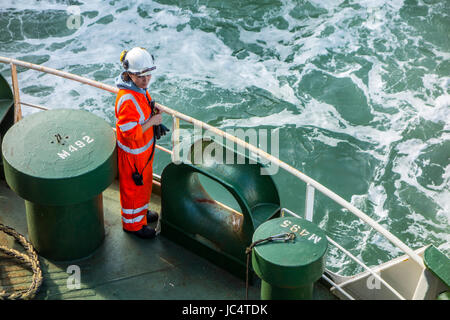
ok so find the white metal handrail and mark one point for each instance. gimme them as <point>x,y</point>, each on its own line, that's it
<point>338,288</point>
<point>311,183</point>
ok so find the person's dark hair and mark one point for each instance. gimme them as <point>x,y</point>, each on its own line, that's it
<point>126,77</point>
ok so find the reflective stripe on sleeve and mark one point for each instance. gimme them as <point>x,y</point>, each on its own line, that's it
<point>128,126</point>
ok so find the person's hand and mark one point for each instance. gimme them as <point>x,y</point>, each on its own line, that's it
<point>156,119</point>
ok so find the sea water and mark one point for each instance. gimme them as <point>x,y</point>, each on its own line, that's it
<point>358,92</point>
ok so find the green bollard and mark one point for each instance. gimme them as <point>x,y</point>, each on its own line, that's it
<point>288,269</point>
<point>60,161</point>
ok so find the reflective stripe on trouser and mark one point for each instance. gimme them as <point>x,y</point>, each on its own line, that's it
<point>134,199</point>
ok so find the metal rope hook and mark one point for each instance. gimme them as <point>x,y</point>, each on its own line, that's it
<point>30,259</point>
<point>286,236</point>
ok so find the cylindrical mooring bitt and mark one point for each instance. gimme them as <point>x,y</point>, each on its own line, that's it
<point>289,269</point>
<point>56,223</point>
<point>60,161</point>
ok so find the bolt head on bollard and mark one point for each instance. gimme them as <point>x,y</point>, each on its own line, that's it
<point>288,269</point>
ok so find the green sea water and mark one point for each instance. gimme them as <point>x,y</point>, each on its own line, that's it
<point>358,92</point>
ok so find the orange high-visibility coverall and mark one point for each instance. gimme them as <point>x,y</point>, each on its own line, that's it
<point>134,149</point>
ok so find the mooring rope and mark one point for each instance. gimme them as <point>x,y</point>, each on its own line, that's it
<point>30,260</point>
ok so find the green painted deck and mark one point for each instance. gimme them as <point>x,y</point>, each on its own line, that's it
<point>124,266</point>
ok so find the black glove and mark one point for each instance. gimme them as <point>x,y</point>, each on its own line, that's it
<point>164,129</point>
<point>160,130</point>
<point>157,132</point>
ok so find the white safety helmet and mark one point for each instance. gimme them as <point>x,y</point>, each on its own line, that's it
<point>138,61</point>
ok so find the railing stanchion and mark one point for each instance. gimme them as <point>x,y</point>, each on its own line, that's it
<point>15,85</point>
<point>309,202</point>
<point>176,140</point>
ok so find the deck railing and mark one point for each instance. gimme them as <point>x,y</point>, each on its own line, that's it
<point>311,184</point>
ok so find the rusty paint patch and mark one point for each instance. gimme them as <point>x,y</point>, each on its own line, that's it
<point>204,200</point>
<point>235,221</point>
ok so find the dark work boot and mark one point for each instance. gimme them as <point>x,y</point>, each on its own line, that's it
<point>144,233</point>
<point>152,216</point>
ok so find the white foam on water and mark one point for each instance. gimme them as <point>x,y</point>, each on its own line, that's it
<point>407,167</point>
<point>377,195</point>
<point>324,116</point>
<point>439,111</point>
<point>326,4</point>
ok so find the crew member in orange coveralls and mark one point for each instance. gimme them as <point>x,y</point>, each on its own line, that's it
<point>136,121</point>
